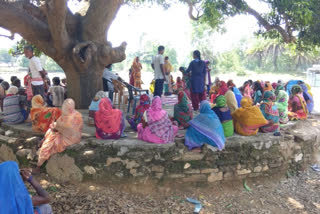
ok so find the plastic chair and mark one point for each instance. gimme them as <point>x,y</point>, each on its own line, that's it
<point>134,98</point>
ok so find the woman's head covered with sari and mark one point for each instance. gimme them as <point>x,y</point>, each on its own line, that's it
<point>183,102</point>
<point>13,90</point>
<point>223,88</point>
<point>268,86</point>
<point>107,118</point>
<point>269,96</point>
<point>155,112</point>
<point>42,116</point>
<point>221,101</point>
<point>144,105</point>
<point>68,107</point>
<point>296,89</point>
<point>37,102</point>
<point>282,104</point>
<point>14,196</point>
<point>99,95</point>
<point>249,115</point>
<point>230,84</point>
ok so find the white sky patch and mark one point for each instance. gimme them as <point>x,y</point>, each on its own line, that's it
<point>170,27</point>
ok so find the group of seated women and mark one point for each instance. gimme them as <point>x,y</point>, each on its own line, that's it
<point>62,127</point>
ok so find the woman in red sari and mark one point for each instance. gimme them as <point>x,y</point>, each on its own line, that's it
<point>297,105</point>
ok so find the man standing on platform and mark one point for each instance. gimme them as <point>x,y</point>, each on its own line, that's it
<point>37,72</point>
<point>159,75</point>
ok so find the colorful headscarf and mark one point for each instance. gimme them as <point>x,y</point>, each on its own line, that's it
<point>144,105</point>
<point>42,116</point>
<point>274,85</point>
<point>268,87</point>
<point>182,102</point>
<point>268,96</point>
<point>223,88</point>
<point>296,89</point>
<point>108,119</point>
<point>279,87</point>
<point>221,101</point>
<point>14,196</point>
<point>155,112</point>
<point>230,83</point>
<point>308,93</point>
<point>282,104</point>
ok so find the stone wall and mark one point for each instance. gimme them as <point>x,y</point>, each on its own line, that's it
<point>119,160</point>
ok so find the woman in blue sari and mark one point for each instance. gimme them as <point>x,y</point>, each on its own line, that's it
<point>236,91</point>
<point>205,128</point>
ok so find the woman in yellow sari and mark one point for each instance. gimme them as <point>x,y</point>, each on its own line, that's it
<point>136,72</point>
<point>42,116</point>
<point>63,133</point>
<point>248,119</point>
<point>297,105</point>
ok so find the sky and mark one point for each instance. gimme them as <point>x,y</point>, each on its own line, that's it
<point>167,26</point>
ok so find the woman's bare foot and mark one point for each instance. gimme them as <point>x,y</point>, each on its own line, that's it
<point>196,150</point>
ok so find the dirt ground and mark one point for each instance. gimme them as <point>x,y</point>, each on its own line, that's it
<point>277,194</point>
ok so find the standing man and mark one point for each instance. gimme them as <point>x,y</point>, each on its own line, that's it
<point>159,75</point>
<point>37,72</point>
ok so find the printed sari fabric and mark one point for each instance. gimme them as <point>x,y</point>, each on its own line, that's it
<point>14,196</point>
<point>282,104</point>
<point>182,110</point>
<point>248,119</point>
<point>110,123</point>
<point>247,92</point>
<point>238,95</point>
<point>136,73</point>
<point>205,128</point>
<point>309,98</point>
<point>42,116</point>
<point>63,133</point>
<point>270,112</point>
<point>136,119</point>
<point>297,105</point>
<point>27,83</point>
<point>159,129</point>
<point>223,112</point>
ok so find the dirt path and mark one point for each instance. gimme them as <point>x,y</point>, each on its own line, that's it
<point>279,195</point>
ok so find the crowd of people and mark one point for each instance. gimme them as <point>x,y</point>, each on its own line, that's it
<point>221,108</point>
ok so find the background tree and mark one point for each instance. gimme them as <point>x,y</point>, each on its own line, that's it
<point>77,42</point>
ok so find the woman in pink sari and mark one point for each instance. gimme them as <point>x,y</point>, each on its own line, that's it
<point>156,126</point>
<point>61,134</point>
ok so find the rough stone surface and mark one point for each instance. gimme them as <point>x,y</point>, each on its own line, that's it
<point>6,154</point>
<point>195,178</point>
<point>208,171</point>
<point>213,177</point>
<point>157,168</point>
<point>243,171</point>
<point>257,169</point>
<point>90,170</point>
<point>9,133</point>
<point>298,157</point>
<point>192,156</point>
<point>63,169</point>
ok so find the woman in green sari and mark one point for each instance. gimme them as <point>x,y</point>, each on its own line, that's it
<point>223,112</point>
<point>282,104</point>
<point>182,110</point>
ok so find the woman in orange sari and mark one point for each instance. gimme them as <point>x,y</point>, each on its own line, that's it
<point>63,133</point>
<point>136,72</point>
<point>248,119</point>
<point>297,105</point>
<point>42,116</point>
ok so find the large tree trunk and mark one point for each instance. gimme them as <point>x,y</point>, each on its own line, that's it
<point>77,42</point>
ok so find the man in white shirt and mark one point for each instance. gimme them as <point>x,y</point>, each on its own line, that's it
<point>159,75</point>
<point>37,72</point>
<point>107,77</point>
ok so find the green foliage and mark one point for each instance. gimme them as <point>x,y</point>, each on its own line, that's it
<point>19,48</point>
<point>5,56</point>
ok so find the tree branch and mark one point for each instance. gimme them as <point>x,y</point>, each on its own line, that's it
<point>287,36</point>
<point>190,12</point>
<point>83,54</point>
<point>98,19</point>
<point>9,37</point>
<point>56,12</point>
<point>15,18</point>
<point>108,55</point>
